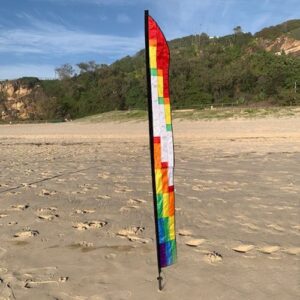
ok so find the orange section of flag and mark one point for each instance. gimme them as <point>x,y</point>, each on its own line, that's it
<point>171,204</point>
<point>165,180</point>
<point>153,42</point>
<point>157,155</point>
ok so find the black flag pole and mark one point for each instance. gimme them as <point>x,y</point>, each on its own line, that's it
<point>150,118</point>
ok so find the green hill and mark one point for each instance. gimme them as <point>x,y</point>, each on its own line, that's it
<point>231,70</point>
<point>290,28</point>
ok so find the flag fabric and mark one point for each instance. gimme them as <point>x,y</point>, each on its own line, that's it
<point>161,141</point>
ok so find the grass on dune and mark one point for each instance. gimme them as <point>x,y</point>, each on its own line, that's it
<point>194,114</point>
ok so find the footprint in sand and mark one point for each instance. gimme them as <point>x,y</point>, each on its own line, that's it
<point>276,227</point>
<point>89,225</point>
<point>138,239</point>
<point>47,209</point>
<point>48,217</point>
<point>130,231</point>
<point>26,234</point>
<point>103,197</point>
<point>221,200</point>
<point>4,185</point>
<point>73,179</point>
<point>129,208</point>
<point>193,198</point>
<point>243,248</point>
<point>104,175</point>
<point>84,211</point>
<point>111,256</point>
<point>292,251</point>
<point>136,201</point>
<point>63,279</point>
<point>290,189</point>
<point>36,277</point>
<point>61,180</point>
<point>81,173</point>
<point>47,193</point>
<point>131,234</point>
<point>268,249</point>
<point>213,257</point>
<point>297,227</point>
<point>28,185</point>
<point>195,242</point>
<point>185,232</point>
<point>85,187</point>
<point>12,223</point>
<point>13,193</point>
<point>278,207</point>
<point>78,192</point>
<point>250,226</point>
<point>85,244</point>
<point>33,284</point>
<point>121,191</point>
<point>47,213</point>
<point>227,189</point>
<point>241,217</point>
<point>200,188</point>
<point>19,207</point>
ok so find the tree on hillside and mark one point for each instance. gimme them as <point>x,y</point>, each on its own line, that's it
<point>237,30</point>
<point>90,66</point>
<point>65,71</point>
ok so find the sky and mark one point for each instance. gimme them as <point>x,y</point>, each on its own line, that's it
<point>36,36</point>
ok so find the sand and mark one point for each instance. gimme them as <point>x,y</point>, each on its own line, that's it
<point>76,214</point>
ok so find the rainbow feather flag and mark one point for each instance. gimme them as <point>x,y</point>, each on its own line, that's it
<point>161,141</point>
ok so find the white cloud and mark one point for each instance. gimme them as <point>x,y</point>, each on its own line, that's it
<point>184,17</point>
<point>49,38</point>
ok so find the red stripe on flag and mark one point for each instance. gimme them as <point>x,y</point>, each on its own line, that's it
<point>164,165</point>
<point>156,139</point>
<point>171,188</point>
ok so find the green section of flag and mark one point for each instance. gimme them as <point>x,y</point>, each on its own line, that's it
<point>174,250</point>
<point>169,127</point>
<point>161,100</point>
<point>154,72</point>
<point>166,229</point>
<point>159,198</point>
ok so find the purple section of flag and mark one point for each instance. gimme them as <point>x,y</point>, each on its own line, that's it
<point>163,255</point>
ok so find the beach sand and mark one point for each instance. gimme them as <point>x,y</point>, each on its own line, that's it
<point>76,212</point>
